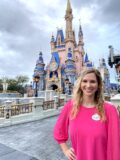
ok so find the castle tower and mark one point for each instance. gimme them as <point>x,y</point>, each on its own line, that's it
<point>40,72</point>
<point>69,36</point>
<point>79,52</point>
<point>105,75</point>
<point>87,62</point>
<point>80,40</point>
<point>70,68</point>
<point>52,43</point>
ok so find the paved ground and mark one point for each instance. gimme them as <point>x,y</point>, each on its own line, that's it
<point>7,153</point>
<point>30,141</point>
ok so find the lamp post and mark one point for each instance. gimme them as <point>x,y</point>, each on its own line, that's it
<point>67,86</point>
<point>58,90</point>
<point>36,80</point>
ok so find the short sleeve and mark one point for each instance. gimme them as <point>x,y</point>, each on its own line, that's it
<point>62,124</point>
<point>113,146</point>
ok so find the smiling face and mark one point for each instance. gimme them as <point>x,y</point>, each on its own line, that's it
<point>89,85</point>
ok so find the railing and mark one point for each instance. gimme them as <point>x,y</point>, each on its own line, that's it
<point>21,109</point>
<point>60,102</point>
<point>48,104</point>
<point>2,111</point>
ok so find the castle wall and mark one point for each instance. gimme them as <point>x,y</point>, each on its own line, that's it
<point>78,61</point>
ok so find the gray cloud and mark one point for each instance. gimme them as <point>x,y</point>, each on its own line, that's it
<point>82,3</point>
<point>23,33</point>
<point>107,11</point>
<point>14,17</point>
<point>20,36</point>
<point>111,11</point>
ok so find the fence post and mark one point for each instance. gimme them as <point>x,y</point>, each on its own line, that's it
<point>56,102</point>
<point>8,109</point>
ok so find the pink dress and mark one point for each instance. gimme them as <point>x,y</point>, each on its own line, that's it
<point>91,138</point>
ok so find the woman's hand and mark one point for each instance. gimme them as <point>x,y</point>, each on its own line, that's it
<point>70,154</point>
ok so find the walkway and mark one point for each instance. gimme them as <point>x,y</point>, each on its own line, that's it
<point>30,141</point>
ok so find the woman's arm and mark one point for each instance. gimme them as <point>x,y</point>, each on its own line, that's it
<point>113,148</point>
<point>68,152</point>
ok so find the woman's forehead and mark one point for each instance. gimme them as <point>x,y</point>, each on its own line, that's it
<point>90,75</point>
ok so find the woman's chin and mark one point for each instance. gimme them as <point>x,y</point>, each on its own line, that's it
<point>89,94</point>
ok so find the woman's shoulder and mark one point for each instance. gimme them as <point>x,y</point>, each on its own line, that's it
<point>108,104</point>
<point>68,104</point>
<point>67,107</point>
<point>109,107</point>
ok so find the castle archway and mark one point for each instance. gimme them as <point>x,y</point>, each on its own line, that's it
<point>54,87</point>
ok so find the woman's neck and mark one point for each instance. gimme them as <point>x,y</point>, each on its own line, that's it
<point>88,101</point>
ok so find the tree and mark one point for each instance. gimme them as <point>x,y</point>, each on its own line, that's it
<point>17,84</point>
<point>22,79</point>
<point>12,85</point>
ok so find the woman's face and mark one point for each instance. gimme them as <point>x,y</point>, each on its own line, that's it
<point>89,84</point>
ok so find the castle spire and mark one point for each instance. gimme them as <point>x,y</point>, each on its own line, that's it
<point>69,18</point>
<point>69,6</point>
<point>80,36</point>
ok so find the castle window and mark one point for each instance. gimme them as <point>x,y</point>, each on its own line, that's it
<point>76,58</point>
<point>51,74</point>
<point>59,41</point>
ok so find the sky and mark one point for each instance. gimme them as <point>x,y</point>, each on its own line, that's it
<point>26,27</point>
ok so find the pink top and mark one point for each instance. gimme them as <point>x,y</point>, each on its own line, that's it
<point>91,138</point>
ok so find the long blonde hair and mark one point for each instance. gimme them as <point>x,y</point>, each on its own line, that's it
<point>78,94</point>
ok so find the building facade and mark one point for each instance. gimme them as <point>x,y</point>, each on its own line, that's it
<point>66,58</point>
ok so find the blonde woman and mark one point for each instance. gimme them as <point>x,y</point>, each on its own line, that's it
<point>92,124</point>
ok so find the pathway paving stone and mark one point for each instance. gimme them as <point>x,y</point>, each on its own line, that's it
<point>29,140</point>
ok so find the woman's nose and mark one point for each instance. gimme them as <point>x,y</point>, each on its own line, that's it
<point>88,84</point>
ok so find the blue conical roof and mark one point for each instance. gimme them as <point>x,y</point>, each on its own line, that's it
<point>86,58</point>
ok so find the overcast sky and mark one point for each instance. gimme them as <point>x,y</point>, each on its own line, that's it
<point>26,27</point>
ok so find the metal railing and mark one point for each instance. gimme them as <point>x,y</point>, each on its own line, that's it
<point>61,102</point>
<point>21,109</point>
<point>2,111</point>
<point>48,104</point>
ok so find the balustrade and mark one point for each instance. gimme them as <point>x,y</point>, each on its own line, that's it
<point>60,102</point>
<point>48,104</point>
<point>21,109</point>
<point>2,111</point>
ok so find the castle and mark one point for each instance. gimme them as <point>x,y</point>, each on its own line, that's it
<point>67,59</point>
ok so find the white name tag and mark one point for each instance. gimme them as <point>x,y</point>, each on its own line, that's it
<point>96,117</point>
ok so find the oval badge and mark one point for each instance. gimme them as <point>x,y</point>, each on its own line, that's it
<point>96,117</point>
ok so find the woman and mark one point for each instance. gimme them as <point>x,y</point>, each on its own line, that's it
<point>92,123</point>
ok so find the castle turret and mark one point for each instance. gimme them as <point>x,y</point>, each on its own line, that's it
<point>87,62</point>
<point>105,75</point>
<point>69,38</point>
<point>39,71</point>
<point>52,43</point>
<point>60,41</point>
<point>70,68</point>
<point>80,40</point>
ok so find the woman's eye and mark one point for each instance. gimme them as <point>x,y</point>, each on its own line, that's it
<point>93,81</point>
<point>84,81</point>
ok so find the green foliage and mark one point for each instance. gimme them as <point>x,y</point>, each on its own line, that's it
<point>22,79</point>
<point>17,84</point>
